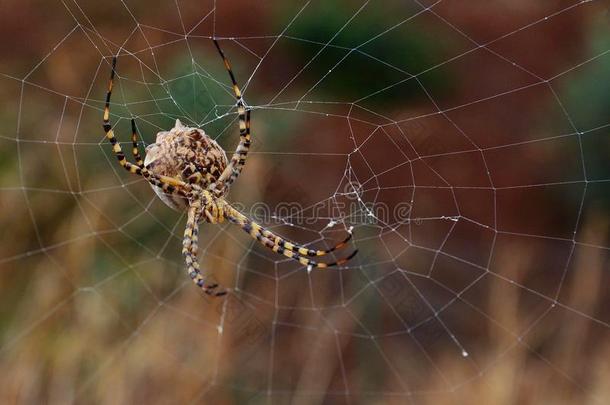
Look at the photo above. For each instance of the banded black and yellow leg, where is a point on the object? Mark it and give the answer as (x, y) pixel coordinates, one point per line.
(241, 153)
(303, 251)
(238, 160)
(116, 147)
(293, 254)
(280, 245)
(134, 140)
(168, 184)
(281, 242)
(189, 251)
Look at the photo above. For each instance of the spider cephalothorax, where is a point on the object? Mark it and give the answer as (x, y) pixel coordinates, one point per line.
(187, 154)
(190, 171)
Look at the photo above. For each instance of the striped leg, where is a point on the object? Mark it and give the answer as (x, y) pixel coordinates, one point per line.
(238, 160)
(134, 140)
(303, 251)
(281, 246)
(168, 184)
(189, 251)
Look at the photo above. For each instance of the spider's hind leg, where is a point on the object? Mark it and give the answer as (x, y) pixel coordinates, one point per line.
(189, 251)
(284, 247)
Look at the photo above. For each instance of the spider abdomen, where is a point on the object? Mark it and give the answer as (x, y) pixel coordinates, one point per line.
(187, 154)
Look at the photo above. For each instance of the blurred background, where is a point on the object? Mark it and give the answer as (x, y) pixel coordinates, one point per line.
(466, 145)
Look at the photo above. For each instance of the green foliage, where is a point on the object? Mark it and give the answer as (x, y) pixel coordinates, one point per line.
(587, 100)
(589, 91)
(368, 59)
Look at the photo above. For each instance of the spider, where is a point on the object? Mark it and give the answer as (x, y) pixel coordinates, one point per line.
(190, 172)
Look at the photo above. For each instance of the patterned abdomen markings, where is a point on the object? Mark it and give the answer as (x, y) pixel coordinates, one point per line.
(187, 154)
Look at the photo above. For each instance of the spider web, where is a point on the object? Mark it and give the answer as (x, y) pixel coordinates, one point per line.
(464, 146)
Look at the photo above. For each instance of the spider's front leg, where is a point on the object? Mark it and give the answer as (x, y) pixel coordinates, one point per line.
(168, 184)
(134, 140)
(190, 246)
(238, 160)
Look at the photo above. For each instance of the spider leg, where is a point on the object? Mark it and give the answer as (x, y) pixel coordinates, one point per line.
(303, 251)
(238, 160)
(168, 184)
(280, 245)
(189, 251)
(134, 140)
